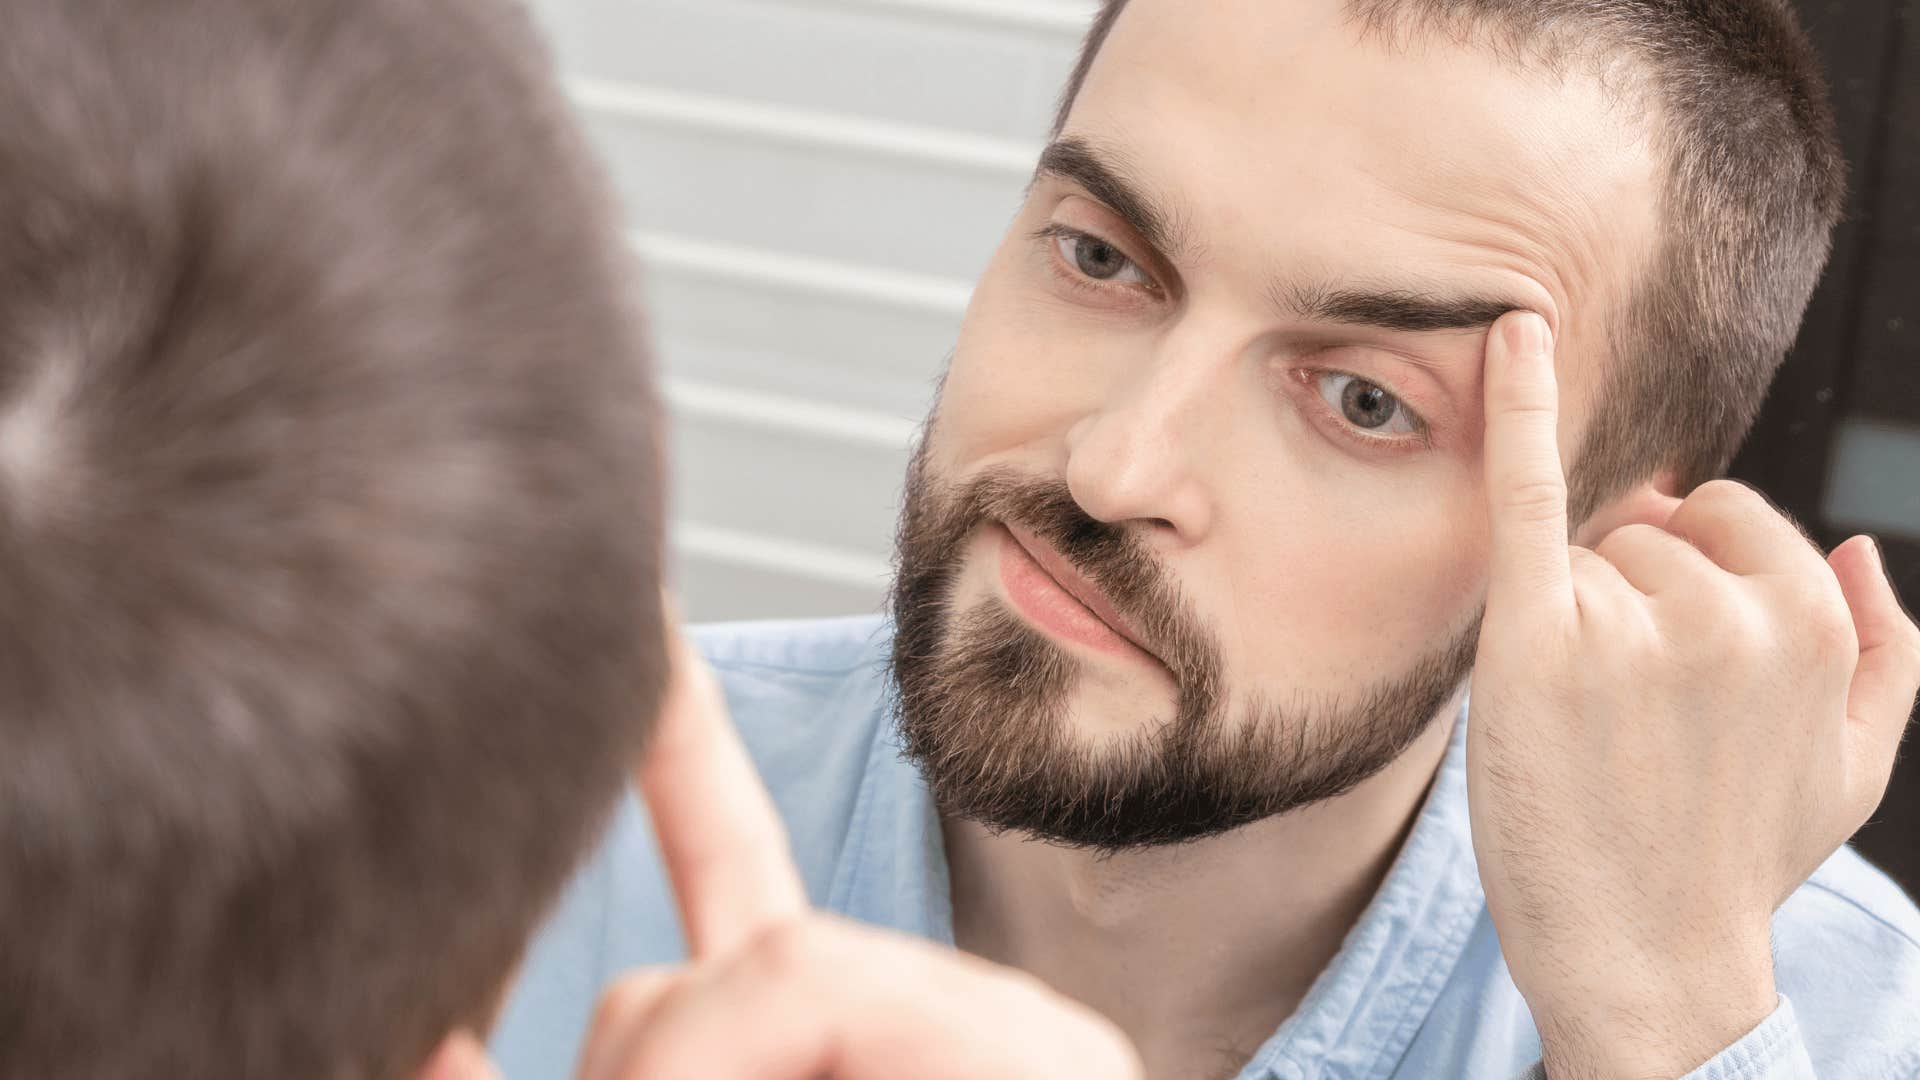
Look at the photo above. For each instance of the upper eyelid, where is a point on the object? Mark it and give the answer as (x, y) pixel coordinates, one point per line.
(1060, 231)
(1152, 261)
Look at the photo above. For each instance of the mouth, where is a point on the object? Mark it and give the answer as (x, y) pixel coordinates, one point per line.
(1058, 599)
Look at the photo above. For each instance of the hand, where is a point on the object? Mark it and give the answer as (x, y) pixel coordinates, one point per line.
(1669, 733)
(775, 992)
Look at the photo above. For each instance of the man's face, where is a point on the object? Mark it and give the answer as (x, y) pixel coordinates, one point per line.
(1222, 381)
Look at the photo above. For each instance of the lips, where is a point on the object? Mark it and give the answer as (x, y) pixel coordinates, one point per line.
(1075, 586)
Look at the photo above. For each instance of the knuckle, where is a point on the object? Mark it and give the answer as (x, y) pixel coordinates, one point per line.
(786, 951)
(1722, 601)
(1716, 501)
(1817, 610)
(1834, 639)
(1738, 623)
(1806, 597)
(1629, 537)
(1725, 491)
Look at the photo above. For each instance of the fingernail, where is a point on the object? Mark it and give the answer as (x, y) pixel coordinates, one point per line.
(1527, 335)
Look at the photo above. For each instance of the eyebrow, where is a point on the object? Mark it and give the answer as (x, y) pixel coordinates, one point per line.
(1106, 176)
(1403, 310)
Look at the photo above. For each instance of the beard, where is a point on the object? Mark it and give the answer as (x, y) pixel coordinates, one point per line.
(982, 699)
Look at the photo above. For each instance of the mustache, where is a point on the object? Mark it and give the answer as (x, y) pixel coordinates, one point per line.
(1115, 558)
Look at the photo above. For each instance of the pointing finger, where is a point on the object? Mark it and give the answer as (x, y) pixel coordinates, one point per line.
(721, 838)
(1526, 487)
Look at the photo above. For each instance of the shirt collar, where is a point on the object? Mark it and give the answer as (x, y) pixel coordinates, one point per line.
(1361, 1013)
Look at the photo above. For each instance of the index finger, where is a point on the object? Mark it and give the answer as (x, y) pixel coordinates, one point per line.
(1526, 487)
(721, 838)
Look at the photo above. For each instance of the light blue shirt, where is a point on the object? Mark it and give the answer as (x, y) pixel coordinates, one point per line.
(1417, 991)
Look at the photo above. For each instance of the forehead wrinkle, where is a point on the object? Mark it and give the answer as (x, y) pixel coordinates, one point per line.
(1548, 229)
(1554, 214)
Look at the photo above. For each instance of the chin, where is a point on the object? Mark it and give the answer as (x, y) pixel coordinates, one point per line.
(1106, 702)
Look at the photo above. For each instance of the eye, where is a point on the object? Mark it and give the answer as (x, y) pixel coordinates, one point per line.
(1367, 406)
(1096, 259)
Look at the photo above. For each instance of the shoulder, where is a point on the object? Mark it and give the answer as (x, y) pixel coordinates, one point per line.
(1847, 952)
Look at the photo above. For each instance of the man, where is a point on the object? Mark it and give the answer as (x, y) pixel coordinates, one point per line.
(1250, 452)
(329, 548)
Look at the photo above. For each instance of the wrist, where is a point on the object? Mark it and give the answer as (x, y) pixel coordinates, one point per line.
(1638, 1024)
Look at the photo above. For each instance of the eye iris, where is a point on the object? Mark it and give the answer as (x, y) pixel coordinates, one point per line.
(1367, 405)
(1098, 259)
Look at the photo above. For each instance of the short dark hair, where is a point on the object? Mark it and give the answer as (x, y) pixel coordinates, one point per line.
(329, 528)
(1754, 184)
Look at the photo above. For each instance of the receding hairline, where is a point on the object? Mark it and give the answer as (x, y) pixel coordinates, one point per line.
(1553, 48)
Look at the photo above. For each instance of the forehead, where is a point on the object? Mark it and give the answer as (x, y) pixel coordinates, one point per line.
(1280, 132)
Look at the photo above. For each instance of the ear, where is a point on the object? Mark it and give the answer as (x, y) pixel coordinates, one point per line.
(458, 1057)
(1651, 502)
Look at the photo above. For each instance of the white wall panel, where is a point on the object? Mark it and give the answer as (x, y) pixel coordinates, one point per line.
(739, 466)
(942, 66)
(914, 212)
(723, 590)
(866, 346)
(813, 186)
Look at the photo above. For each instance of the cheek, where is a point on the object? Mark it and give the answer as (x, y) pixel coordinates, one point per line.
(1352, 580)
(1023, 370)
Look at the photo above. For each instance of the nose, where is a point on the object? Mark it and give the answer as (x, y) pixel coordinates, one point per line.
(1139, 456)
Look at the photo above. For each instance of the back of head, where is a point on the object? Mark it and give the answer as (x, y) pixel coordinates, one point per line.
(329, 528)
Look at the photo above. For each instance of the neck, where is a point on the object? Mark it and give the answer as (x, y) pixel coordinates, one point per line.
(1197, 951)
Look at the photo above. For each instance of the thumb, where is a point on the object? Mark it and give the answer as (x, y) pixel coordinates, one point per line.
(1526, 487)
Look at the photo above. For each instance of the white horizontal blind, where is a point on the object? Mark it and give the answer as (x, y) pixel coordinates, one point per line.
(813, 186)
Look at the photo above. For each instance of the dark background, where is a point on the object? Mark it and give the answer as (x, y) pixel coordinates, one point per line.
(1856, 368)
